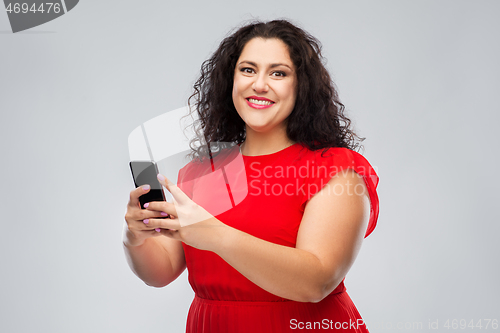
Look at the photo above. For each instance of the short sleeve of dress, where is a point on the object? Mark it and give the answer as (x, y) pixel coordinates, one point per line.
(326, 164)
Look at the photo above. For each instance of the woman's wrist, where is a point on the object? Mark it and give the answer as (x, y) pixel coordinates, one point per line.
(224, 235)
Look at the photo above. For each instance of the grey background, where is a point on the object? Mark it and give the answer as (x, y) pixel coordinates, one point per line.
(419, 78)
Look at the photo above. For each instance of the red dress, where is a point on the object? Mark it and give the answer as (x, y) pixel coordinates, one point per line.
(279, 186)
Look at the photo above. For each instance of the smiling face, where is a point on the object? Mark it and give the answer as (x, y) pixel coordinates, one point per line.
(264, 89)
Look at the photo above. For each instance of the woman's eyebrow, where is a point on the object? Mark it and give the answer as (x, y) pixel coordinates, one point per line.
(255, 65)
(276, 65)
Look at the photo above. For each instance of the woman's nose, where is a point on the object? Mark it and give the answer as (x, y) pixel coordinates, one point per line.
(260, 83)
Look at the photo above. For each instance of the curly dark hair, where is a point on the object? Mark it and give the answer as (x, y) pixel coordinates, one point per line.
(317, 120)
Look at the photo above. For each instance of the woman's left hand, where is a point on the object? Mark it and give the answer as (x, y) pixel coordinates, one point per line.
(187, 221)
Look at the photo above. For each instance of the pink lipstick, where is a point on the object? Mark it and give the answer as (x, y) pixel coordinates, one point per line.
(257, 102)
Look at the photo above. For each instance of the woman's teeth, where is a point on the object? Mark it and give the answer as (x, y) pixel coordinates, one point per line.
(256, 101)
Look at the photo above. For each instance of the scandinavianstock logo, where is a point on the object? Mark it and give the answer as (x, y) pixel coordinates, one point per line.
(25, 14)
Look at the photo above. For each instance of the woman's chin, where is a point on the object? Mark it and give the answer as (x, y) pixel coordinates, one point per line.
(259, 128)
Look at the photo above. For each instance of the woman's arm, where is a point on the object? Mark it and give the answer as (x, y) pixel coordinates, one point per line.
(158, 261)
(329, 238)
(155, 260)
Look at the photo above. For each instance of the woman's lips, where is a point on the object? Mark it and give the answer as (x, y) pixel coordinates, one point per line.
(259, 103)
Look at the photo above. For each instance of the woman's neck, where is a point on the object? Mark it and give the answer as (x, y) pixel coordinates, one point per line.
(257, 143)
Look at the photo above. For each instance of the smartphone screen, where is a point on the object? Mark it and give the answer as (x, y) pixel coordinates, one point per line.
(144, 172)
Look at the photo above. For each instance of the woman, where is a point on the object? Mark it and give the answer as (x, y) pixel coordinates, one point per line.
(276, 261)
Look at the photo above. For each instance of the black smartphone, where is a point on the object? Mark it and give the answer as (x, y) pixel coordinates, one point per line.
(145, 172)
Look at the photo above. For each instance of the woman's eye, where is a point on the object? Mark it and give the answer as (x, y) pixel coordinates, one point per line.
(279, 73)
(247, 70)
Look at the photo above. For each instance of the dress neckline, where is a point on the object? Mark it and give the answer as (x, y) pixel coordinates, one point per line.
(267, 155)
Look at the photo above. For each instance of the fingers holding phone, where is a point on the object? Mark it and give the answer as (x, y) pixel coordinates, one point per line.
(137, 219)
(168, 212)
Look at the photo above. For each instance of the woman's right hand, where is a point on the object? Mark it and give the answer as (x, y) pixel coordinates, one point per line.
(137, 230)
(158, 261)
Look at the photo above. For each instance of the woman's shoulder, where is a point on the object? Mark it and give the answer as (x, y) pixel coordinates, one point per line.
(329, 156)
(337, 159)
(323, 164)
